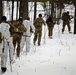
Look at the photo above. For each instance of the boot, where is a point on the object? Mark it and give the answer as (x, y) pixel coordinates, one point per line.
(3, 69)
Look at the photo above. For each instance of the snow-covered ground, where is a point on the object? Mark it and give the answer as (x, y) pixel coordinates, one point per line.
(55, 56)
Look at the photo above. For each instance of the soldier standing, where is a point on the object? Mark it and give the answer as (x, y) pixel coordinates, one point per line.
(17, 35)
(66, 21)
(6, 43)
(50, 26)
(28, 24)
(38, 29)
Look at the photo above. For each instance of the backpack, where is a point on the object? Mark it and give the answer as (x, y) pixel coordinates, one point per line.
(65, 16)
(0, 37)
(31, 31)
(38, 22)
(49, 20)
(11, 29)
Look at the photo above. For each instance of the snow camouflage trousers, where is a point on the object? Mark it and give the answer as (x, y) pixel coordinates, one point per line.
(5, 51)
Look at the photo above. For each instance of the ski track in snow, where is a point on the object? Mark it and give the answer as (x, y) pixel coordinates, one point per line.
(53, 57)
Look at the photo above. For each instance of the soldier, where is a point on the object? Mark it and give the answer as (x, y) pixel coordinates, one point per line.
(28, 24)
(5, 44)
(50, 26)
(38, 29)
(17, 35)
(66, 21)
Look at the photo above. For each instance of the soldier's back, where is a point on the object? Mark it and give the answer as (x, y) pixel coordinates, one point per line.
(65, 16)
(38, 22)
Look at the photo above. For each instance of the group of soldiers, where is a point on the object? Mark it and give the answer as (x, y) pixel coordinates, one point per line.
(50, 21)
(12, 39)
(14, 35)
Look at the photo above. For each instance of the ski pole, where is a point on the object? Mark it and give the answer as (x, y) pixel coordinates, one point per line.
(45, 30)
(10, 57)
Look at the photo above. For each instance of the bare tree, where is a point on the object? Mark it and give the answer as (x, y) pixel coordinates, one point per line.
(35, 6)
(23, 8)
(1, 10)
(17, 9)
(75, 21)
(12, 9)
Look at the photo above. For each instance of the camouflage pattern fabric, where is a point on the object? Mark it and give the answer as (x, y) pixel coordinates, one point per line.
(38, 29)
(19, 29)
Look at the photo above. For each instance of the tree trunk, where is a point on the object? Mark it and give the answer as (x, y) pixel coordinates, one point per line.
(20, 9)
(75, 21)
(52, 9)
(12, 9)
(17, 10)
(35, 6)
(23, 8)
(1, 10)
(49, 9)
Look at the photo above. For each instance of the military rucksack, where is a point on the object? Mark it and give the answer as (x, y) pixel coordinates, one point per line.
(38, 22)
(11, 29)
(0, 37)
(65, 16)
(49, 20)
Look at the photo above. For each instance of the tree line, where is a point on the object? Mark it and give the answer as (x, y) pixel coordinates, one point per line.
(22, 7)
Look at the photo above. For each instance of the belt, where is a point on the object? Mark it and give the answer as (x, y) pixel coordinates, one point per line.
(17, 33)
(26, 35)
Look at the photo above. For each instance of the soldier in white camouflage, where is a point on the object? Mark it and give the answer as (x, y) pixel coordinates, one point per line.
(5, 44)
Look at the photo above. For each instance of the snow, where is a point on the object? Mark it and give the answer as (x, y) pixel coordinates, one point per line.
(55, 56)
